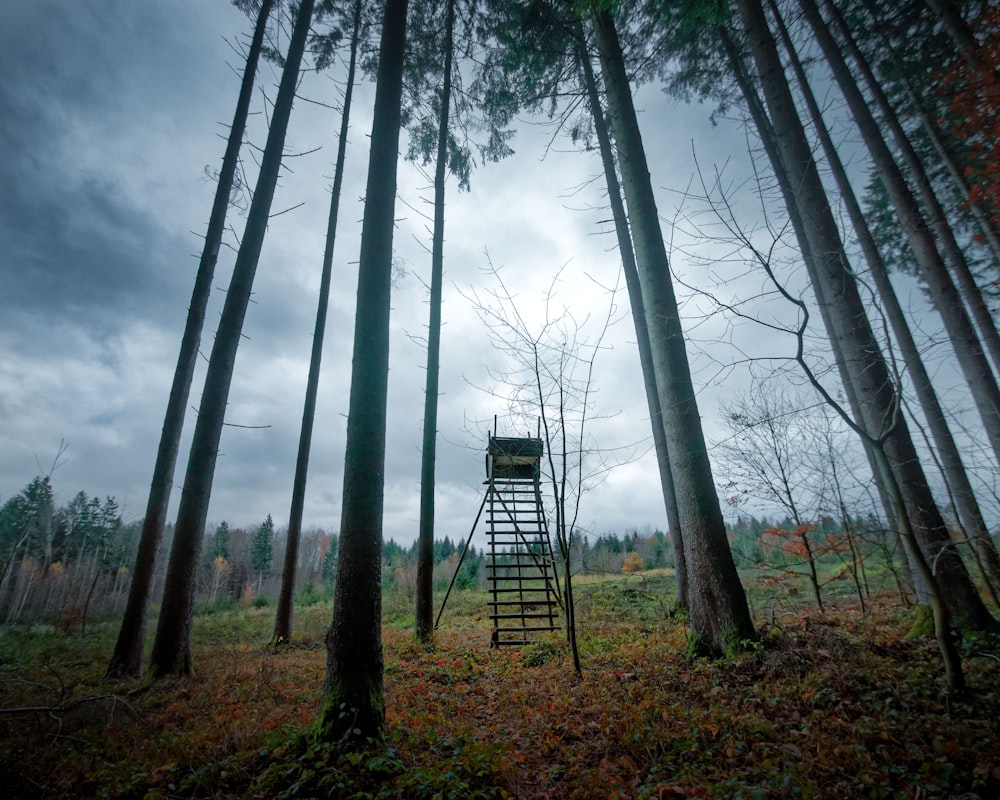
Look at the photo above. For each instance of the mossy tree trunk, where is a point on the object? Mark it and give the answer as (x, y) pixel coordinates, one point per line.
(353, 707)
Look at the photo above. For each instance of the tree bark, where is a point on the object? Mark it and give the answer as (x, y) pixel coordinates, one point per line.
(126, 659)
(284, 614)
(634, 286)
(846, 322)
(172, 644)
(425, 540)
(353, 705)
(720, 617)
(770, 142)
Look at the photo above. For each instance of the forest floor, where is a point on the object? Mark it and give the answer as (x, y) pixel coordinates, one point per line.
(835, 705)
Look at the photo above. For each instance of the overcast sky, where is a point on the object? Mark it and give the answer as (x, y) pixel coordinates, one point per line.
(110, 113)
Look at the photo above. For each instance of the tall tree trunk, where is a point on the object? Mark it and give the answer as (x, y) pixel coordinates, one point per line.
(795, 156)
(966, 504)
(968, 349)
(943, 622)
(283, 616)
(972, 360)
(172, 644)
(720, 617)
(639, 320)
(126, 659)
(425, 539)
(353, 705)
(846, 322)
(952, 253)
(769, 140)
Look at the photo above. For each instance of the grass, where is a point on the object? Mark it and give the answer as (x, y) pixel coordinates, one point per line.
(836, 705)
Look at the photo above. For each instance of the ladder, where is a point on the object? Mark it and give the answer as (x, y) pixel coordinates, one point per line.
(523, 587)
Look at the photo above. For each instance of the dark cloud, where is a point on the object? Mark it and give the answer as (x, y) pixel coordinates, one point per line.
(77, 241)
(110, 111)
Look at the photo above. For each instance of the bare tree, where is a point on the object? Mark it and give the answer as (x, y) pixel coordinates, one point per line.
(765, 455)
(549, 377)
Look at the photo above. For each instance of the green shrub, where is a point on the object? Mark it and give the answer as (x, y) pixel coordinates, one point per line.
(309, 596)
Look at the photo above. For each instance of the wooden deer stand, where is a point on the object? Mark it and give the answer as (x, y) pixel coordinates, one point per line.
(521, 576)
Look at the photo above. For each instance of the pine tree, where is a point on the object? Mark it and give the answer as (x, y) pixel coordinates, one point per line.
(353, 707)
(172, 644)
(262, 550)
(720, 616)
(283, 615)
(126, 660)
(221, 541)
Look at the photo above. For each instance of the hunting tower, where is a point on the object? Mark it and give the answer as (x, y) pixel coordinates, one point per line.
(524, 590)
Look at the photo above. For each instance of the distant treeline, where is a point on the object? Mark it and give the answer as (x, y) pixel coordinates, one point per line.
(65, 564)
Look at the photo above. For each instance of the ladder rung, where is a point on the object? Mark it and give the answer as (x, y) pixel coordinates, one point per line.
(521, 498)
(534, 528)
(520, 533)
(499, 577)
(532, 615)
(529, 603)
(529, 629)
(506, 590)
(537, 585)
(542, 565)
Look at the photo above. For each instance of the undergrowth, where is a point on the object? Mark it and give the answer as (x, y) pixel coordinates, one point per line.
(826, 706)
